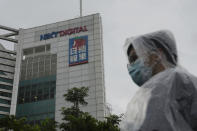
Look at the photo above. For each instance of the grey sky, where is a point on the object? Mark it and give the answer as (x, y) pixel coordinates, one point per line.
(121, 19)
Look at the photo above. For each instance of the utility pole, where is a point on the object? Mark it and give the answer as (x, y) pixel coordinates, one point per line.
(80, 8)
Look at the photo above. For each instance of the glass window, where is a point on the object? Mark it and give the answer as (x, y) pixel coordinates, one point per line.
(23, 73)
(41, 66)
(5, 109)
(47, 62)
(29, 59)
(52, 92)
(53, 83)
(2, 73)
(35, 59)
(28, 51)
(27, 96)
(2, 101)
(48, 47)
(21, 97)
(39, 49)
(6, 80)
(46, 93)
(40, 93)
(40, 57)
(54, 57)
(5, 94)
(35, 67)
(5, 87)
(33, 95)
(29, 74)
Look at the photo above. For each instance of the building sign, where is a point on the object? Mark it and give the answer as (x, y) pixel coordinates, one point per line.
(78, 50)
(70, 31)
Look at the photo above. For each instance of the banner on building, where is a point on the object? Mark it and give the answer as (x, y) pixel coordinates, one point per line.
(78, 50)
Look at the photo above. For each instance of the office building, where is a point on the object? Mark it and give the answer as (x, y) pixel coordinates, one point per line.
(53, 58)
(7, 66)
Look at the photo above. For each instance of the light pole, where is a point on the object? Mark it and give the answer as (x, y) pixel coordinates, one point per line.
(80, 8)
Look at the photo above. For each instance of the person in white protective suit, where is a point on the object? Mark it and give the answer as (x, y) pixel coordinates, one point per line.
(167, 97)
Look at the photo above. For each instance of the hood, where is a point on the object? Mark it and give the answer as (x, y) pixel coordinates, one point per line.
(143, 44)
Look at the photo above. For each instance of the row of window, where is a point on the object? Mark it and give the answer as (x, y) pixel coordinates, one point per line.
(37, 49)
(5, 94)
(37, 122)
(32, 86)
(36, 92)
(5, 87)
(39, 58)
(2, 73)
(3, 101)
(39, 66)
(1, 116)
(6, 80)
(5, 109)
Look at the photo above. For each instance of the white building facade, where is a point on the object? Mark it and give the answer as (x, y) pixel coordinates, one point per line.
(53, 58)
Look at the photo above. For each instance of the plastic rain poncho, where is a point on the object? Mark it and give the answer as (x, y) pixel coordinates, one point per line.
(168, 100)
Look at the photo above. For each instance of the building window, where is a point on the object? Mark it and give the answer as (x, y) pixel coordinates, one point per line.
(5, 87)
(27, 95)
(37, 92)
(28, 51)
(3, 101)
(39, 49)
(2, 73)
(48, 47)
(46, 93)
(5, 94)
(52, 92)
(40, 94)
(5, 109)
(6, 80)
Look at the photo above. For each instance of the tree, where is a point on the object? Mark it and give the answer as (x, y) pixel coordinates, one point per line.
(76, 96)
(48, 125)
(110, 124)
(11, 122)
(77, 120)
(74, 118)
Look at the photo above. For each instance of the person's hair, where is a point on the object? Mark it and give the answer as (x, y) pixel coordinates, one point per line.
(129, 49)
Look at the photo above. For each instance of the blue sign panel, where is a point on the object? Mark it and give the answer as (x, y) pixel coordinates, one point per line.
(78, 50)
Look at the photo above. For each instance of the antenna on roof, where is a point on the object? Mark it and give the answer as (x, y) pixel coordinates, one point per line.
(80, 8)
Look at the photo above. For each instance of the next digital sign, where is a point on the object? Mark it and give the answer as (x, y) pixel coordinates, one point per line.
(70, 31)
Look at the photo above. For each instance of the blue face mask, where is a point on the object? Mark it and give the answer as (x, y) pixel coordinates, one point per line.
(139, 72)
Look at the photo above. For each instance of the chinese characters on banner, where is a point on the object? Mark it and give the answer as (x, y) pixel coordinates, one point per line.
(78, 50)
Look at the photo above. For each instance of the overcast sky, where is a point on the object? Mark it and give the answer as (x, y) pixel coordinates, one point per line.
(120, 19)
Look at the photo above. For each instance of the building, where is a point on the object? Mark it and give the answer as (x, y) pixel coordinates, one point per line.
(7, 66)
(53, 58)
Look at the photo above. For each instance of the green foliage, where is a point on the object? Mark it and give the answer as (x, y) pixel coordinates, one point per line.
(84, 122)
(77, 120)
(48, 125)
(110, 124)
(11, 122)
(114, 119)
(76, 96)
